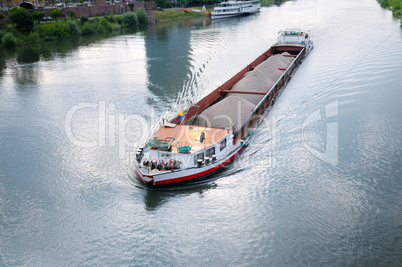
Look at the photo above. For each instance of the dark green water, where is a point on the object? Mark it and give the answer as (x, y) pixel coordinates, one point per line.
(320, 185)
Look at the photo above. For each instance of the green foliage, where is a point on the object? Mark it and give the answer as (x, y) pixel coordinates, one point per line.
(175, 14)
(2, 16)
(9, 40)
(267, 2)
(88, 28)
(94, 26)
(164, 3)
(83, 19)
(22, 19)
(131, 5)
(111, 18)
(54, 31)
(383, 3)
(119, 20)
(59, 30)
(182, 3)
(55, 13)
(38, 15)
(106, 24)
(34, 37)
(116, 27)
(395, 5)
(130, 19)
(14, 9)
(73, 28)
(72, 14)
(142, 16)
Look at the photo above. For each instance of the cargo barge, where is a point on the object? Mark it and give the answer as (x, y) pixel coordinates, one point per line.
(212, 132)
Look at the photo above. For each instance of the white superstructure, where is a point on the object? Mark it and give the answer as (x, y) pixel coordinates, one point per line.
(295, 36)
(235, 8)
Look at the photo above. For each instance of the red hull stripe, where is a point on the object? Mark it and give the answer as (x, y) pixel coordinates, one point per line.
(142, 178)
(179, 179)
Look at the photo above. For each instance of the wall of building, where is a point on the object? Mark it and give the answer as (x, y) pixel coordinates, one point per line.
(120, 8)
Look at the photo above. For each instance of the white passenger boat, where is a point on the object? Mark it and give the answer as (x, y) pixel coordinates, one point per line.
(212, 132)
(228, 9)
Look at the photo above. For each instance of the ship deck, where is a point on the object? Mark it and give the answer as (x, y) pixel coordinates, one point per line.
(190, 135)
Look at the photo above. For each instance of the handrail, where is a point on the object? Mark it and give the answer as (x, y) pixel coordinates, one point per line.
(242, 92)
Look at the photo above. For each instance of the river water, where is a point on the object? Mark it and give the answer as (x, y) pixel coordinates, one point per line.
(320, 185)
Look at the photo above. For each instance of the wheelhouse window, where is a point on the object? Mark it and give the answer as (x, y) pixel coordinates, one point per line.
(210, 152)
(223, 144)
(197, 157)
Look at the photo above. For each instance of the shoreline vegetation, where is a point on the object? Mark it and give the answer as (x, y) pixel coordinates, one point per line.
(27, 28)
(24, 30)
(173, 14)
(394, 5)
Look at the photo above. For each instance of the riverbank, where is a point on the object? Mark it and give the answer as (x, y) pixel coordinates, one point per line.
(394, 5)
(173, 14)
(272, 2)
(69, 28)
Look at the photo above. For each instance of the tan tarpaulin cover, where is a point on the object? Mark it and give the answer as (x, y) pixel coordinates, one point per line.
(234, 108)
(231, 110)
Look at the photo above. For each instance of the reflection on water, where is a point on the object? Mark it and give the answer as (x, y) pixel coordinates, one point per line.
(31, 53)
(169, 58)
(155, 199)
(22, 59)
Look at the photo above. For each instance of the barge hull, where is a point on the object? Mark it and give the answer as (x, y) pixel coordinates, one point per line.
(278, 70)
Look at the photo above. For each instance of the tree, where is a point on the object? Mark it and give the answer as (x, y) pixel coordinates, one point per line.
(9, 40)
(83, 19)
(2, 16)
(55, 13)
(130, 19)
(38, 15)
(131, 5)
(22, 19)
(163, 3)
(72, 14)
(182, 3)
(142, 16)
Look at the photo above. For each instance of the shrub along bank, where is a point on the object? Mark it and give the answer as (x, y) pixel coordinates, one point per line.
(394, 5)
(20, 34)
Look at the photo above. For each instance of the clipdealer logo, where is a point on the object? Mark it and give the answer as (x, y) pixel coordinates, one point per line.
(330, 155)
(111, 127)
